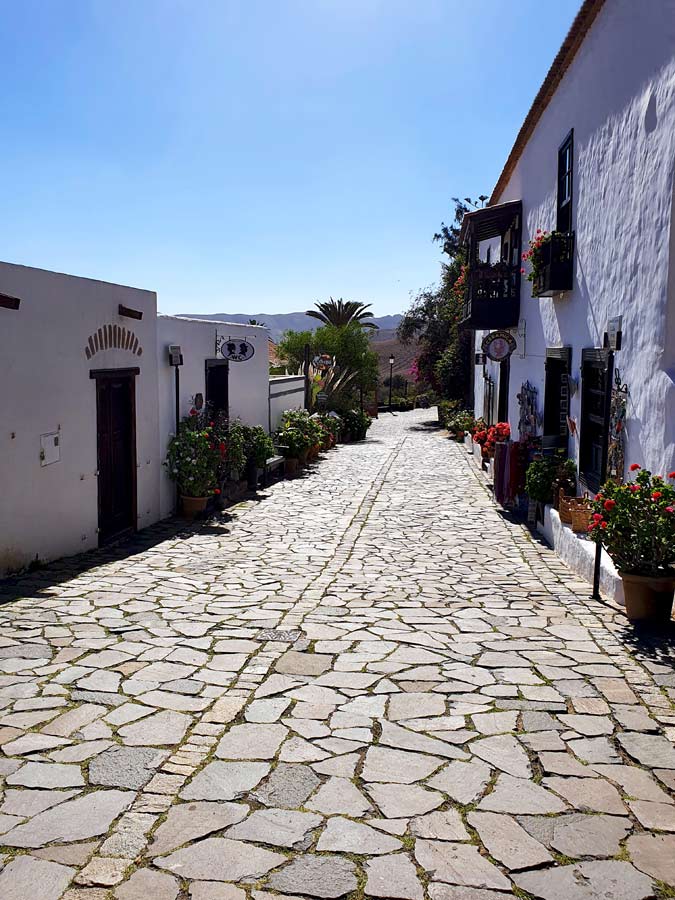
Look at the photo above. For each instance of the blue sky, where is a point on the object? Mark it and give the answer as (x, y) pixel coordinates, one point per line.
(257, 156)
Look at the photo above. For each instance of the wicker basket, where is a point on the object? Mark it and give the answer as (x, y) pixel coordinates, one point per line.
(565, 506)
(581, 515)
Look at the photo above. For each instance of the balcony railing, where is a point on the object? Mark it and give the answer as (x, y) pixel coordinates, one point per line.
(493, 296)
(555, 270)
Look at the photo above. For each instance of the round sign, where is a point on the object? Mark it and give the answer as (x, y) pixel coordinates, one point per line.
(498, 345)
(236, 350)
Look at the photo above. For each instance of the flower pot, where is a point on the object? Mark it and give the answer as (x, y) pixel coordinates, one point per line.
(302, 457)
(291, 466)
(193, 506)
(648, 598)
(459, 436)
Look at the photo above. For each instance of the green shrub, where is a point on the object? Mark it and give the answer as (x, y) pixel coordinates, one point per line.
(539, 479)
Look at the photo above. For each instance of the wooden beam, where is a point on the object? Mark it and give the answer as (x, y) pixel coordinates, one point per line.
(129, 313)
(7, 302)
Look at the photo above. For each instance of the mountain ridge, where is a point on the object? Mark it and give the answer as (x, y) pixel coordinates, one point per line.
(293, 321)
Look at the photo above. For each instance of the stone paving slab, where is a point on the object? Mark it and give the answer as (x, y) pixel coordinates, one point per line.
(369, 683)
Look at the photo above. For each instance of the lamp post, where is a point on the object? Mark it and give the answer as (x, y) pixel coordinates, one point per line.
(391, 377)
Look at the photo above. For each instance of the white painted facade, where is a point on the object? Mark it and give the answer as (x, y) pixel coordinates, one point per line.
(65, 329)
(47, 511)
(618, 95)
(248, 381)
(286, 392)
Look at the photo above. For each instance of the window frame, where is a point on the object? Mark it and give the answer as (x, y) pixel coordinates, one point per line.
(564, 208)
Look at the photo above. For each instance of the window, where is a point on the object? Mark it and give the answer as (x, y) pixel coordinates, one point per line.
(565, 164)
(595, 375)
(557, 397)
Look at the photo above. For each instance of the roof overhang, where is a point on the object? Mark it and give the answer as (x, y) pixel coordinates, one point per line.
(489, 222)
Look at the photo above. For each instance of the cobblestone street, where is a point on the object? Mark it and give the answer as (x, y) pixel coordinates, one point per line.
(369, 683)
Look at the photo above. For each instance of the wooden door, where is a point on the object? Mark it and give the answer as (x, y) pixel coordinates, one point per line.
(217, 386)
(116, 438)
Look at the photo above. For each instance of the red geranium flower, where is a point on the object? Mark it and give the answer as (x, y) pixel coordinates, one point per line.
(656, 495)
(216, 490)
(634, 488)
(598, 496)
(609, 504)
(634, 467)
(671, 474)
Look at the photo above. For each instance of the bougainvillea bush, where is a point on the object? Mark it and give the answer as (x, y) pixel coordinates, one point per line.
(635, 523)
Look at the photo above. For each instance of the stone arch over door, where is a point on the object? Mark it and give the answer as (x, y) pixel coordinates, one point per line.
(112, 337)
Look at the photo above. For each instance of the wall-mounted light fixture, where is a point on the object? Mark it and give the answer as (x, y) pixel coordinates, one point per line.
(7, 302)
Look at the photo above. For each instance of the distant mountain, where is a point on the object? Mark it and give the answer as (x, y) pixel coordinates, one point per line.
(280, 322)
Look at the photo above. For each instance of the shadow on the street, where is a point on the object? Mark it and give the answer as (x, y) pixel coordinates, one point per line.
(38, 582)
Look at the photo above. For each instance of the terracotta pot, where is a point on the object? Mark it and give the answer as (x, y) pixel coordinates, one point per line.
(193, 506)
(291, 466)
(648, 599)
(459, 435)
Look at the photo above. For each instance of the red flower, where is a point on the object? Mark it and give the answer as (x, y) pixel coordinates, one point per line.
(193, 411)
(634, 467)
(597, 517)
(634, 488)
(598, 496)
(216, 490)
(212, 424)
(522, 271)
(603, 524)
(656, 495)
(671, 474)
(670, 509)
(609, 504)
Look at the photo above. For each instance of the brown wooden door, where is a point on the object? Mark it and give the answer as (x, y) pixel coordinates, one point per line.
(116, 434)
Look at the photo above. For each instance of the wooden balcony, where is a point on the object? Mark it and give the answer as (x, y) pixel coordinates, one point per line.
(556, 270)
(493, 296)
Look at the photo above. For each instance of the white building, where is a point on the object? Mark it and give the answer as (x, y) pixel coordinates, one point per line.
(594, 161)
(87, 406)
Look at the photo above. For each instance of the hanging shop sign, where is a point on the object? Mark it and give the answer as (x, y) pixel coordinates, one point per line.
(322, 362)
(498, 345)
(236, 350)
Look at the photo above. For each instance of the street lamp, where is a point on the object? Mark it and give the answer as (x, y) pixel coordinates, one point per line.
(391, 377)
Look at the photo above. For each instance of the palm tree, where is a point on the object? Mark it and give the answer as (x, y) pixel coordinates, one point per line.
(342, 312)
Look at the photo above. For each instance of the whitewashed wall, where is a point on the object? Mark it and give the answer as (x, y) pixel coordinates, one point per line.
(52, 511)
(248, 381)
(619, 96)
(286, 392)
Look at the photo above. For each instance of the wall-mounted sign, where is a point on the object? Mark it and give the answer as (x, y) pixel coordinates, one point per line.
(175, 355)
(498, 345)
(236, 350)
(613, 337)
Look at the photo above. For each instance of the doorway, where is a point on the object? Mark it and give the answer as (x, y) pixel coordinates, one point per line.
(503, 395)
(116, 451)
(217, 386)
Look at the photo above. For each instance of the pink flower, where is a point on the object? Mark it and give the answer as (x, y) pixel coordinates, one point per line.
(634, 488)
(670, 509)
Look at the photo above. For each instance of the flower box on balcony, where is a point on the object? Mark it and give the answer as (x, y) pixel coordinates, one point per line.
(552, 259)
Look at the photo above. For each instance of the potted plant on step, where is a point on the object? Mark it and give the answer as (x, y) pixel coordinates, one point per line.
(193, 461)
(635, 523)
(292, 443)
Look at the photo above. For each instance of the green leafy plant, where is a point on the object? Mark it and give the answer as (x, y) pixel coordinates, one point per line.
(461, 422)
(636, 523)
(356, 423)
(292, 442)
(535, 254)
(539, 479)
(259, 446)
(236, 449)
